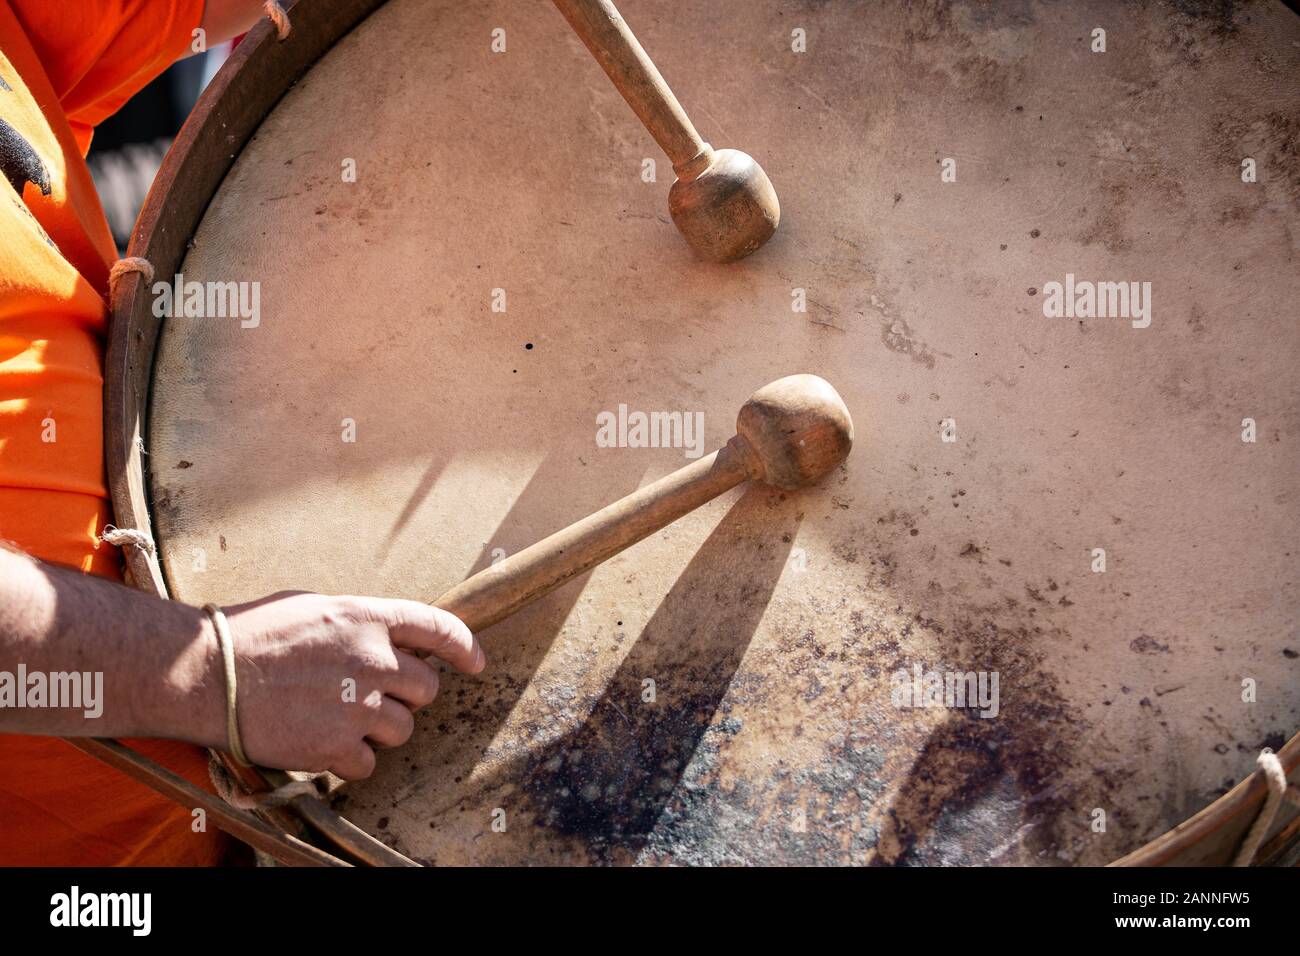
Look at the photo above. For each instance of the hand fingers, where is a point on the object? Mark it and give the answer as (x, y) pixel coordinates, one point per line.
(357, 765)
(391, 725)
(420, 627)
(415, 684)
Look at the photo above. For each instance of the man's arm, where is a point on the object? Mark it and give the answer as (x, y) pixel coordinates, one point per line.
(162, 672)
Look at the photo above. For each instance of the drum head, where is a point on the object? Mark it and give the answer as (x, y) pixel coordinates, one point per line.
(436, 341)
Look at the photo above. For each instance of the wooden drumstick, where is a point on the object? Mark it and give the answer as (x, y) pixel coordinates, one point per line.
(789, 434)
(722, 201)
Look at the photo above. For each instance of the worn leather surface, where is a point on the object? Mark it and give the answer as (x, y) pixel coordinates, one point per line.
(771, 623)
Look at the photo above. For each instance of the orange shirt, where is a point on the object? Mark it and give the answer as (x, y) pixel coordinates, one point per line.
(66, 65)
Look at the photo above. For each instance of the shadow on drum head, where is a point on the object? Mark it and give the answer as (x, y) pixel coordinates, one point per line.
(432, 472)
(619, 777)
(615, 782)
(517, 646)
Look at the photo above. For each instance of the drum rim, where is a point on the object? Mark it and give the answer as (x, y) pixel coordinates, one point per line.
(1225, 818)
(249, 85)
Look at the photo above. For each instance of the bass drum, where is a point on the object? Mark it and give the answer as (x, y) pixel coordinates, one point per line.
(464, 268)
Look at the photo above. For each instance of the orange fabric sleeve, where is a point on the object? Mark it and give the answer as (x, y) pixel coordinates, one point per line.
(99, 53)
(64, 66)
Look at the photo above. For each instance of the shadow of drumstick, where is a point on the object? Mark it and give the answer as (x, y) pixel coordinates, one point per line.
(517, 646)
(432, 472)
(608, 782)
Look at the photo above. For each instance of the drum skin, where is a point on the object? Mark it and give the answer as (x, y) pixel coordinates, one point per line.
(722, 692)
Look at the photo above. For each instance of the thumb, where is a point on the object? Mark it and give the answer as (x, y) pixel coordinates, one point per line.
(422, 627)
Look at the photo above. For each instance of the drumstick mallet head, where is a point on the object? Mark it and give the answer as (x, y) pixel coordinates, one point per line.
(795, 431)
(723, 204)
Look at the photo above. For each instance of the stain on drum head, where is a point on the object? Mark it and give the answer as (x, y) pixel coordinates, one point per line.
(772, 624)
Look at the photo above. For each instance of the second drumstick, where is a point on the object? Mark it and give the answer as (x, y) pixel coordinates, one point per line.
(722, 202)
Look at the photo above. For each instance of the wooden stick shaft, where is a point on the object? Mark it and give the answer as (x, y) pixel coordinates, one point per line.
(241, 824)
(497, 592)
(606, 34)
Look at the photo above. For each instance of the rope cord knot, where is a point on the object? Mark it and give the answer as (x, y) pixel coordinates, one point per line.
(1278, 790)
(236, 797)
(124, 267)
(277, 15)
(127, 537)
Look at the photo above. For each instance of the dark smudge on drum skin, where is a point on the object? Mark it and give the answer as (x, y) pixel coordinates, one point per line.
(749, 821)
(610, 783)
(978, 790)
(980, 787)
(625, 807)
(1273, 140)
(1214, 17)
